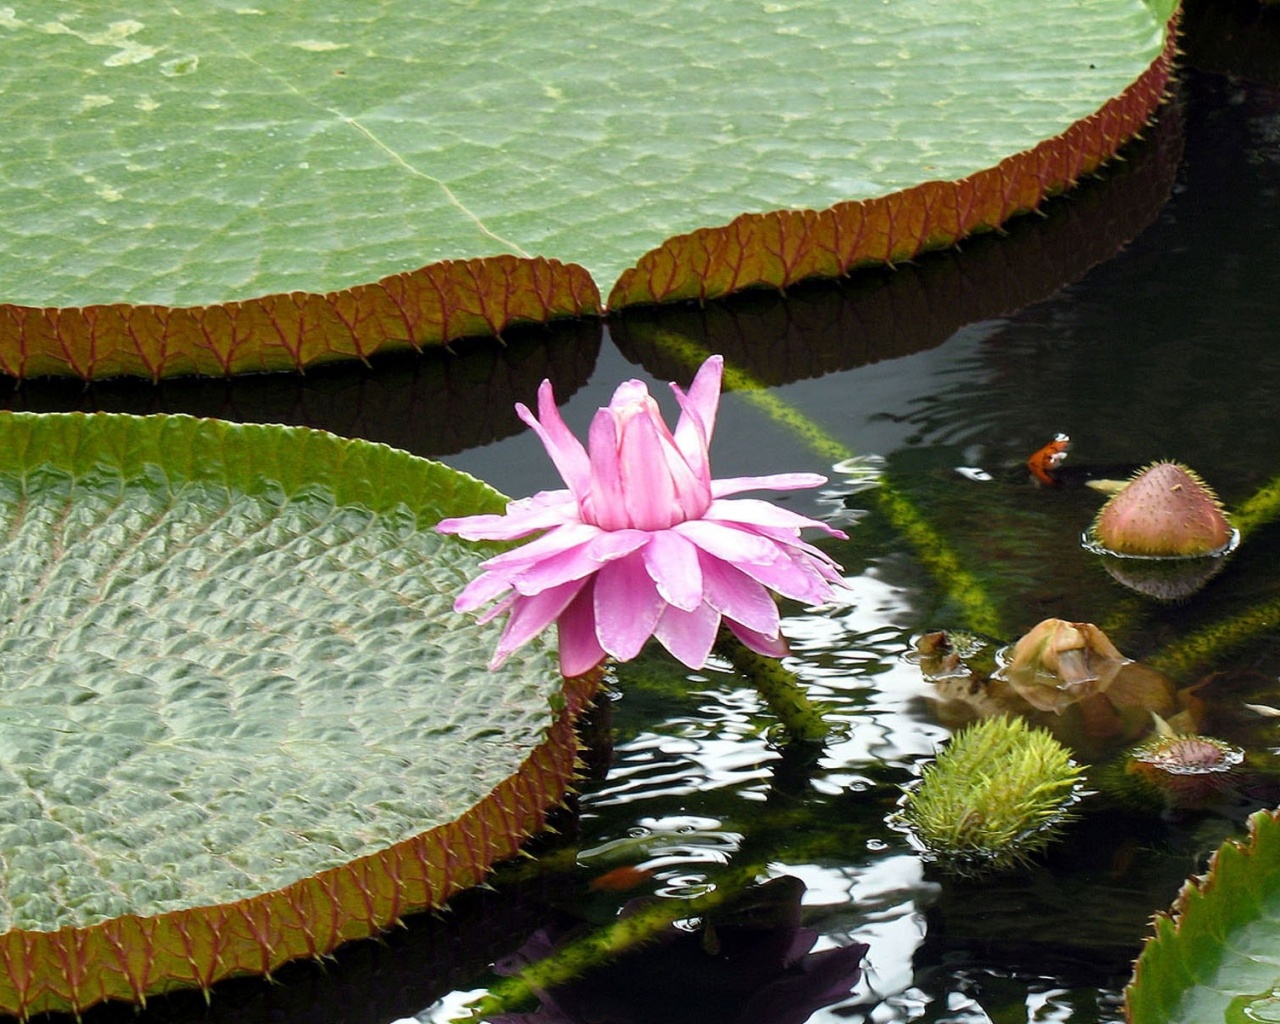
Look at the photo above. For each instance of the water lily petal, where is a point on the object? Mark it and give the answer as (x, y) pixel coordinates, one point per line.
(562, 538)
(688, 635)
(481, 590)
(605, 503)
(756, 512)
(731, 543)
(577, 562)
(627, 607)
(737, 596)
(540, 512)
(796, 578)
(698, 414)
(673, 565)
(777, 482)
(659, 488)
(771, 646)
(580, 651)
(531, 615)
(566, 451)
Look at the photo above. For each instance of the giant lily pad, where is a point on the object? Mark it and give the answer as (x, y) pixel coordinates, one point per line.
(239, 720)
(1215, 958)
(216, 188)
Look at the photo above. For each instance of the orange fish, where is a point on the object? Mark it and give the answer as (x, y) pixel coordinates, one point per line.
(1047, 459)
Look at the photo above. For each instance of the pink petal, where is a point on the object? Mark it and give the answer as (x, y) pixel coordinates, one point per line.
(562, 538)
(627, 607)
(774, 646)
(579, 561)
(649, 478)
(606, 501)
(580, 652)
(737, 596)
(481, 590)
(777, 482)
(540, 512)
(733, 544)
(688, 635)
(566, 451)
(673, 565)
(531, 615)
(756, 512)
(698, 414)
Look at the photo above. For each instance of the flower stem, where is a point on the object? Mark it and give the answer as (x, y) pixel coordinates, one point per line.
(602, 945)
(779, 687)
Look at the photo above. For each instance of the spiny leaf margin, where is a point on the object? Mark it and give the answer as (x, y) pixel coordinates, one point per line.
(1241, 881)
(132, 957)
(434, 305)
(782, 247)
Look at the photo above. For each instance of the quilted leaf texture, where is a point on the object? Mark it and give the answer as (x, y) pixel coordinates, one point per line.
(241, 722)
(230, 189)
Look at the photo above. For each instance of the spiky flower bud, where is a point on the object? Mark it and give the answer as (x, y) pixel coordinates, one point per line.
(1165, 511)
(995, 795)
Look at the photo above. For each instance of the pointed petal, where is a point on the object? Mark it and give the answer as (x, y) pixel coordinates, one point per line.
(627, 607)
(530, 616)
(688, 635)
(481, 590)
(563, 538)
(776, 482)
(605, 504)
(649, 475)
(729, 542)
(673, 565)
(737, 596)
(580, 652)
(566, 451)
(756, 512)
(771, 646)
(698, 413)
(542, 511)
(577, 562)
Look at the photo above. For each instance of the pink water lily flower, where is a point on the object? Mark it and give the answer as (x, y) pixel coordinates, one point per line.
(644, 543)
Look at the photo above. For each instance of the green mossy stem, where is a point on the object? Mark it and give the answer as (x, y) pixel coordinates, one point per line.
(604, 945)
(779, 688)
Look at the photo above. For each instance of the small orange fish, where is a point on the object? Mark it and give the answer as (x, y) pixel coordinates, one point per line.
(1047, 459)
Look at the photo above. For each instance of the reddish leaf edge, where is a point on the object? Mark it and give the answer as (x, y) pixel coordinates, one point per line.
(782, 247)
(1148, 998)
(433, 305)
(131, 958)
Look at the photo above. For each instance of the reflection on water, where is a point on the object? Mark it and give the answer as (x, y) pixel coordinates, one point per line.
(1166, 349)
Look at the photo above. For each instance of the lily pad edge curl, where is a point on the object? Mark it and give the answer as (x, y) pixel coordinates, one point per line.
(451, 299)
(133, 956)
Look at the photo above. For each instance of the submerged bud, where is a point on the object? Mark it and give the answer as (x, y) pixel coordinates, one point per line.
(1058, 662)
(1165, 511)
(1187, 769)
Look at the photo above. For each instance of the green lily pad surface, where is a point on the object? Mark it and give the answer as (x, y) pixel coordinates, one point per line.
(1217, 958)
(207, 152)
(231, 676)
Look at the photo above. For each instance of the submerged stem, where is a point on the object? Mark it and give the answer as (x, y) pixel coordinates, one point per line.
(779, 687)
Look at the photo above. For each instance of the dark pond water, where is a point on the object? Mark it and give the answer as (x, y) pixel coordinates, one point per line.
(1166, 346)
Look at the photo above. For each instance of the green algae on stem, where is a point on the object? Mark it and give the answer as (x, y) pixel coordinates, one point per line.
(779, 688)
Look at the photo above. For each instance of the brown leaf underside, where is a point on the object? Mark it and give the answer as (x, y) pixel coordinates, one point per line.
(130, 958)
(481, 297)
